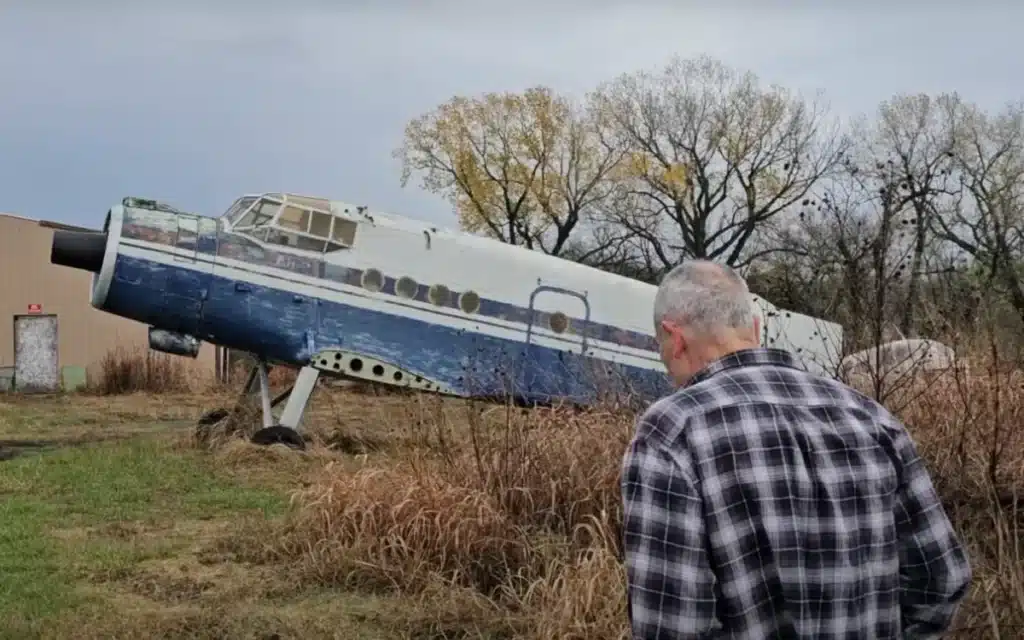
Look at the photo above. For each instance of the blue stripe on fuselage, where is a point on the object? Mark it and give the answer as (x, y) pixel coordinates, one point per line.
(214, 243)
(282, 325)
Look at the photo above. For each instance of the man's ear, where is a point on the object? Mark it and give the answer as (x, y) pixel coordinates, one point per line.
(677, 337)
(757, 329)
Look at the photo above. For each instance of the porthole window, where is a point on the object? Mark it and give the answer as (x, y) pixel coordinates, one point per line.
(406, 287)
(469, 302)
(558, 322)
(439, 295)
(373, 280)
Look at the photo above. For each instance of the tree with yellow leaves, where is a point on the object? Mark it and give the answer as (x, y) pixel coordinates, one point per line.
(525, 168)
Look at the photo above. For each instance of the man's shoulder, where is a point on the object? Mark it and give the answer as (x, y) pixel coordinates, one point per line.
(692, 406)
(666, 418)
(777, 384)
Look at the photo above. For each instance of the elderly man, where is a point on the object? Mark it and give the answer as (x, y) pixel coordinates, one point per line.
(762, 501)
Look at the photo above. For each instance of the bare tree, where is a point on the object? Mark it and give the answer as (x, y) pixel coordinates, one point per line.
(856, 241)
(913, 140)
(712, 156)
(987, 222)
(877, 210)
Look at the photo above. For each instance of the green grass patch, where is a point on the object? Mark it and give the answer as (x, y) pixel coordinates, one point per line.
(83, 418)
(93, 488)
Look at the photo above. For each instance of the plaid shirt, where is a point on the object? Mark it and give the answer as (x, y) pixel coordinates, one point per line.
(762, 501)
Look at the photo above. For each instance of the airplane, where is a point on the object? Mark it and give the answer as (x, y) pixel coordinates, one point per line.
(334, 289)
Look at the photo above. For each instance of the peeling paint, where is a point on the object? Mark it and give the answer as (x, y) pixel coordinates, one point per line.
(161, 228)
(179, 344)
(267, 321)
(286, 327)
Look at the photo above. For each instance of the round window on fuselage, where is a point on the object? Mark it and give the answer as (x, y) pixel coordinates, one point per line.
(439, 295)
(469, 302)
(373, 280)
(406, 287)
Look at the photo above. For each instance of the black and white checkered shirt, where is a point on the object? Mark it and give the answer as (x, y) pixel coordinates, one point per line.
(762, 501)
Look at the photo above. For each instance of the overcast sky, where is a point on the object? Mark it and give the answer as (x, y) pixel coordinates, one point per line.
(196, 106)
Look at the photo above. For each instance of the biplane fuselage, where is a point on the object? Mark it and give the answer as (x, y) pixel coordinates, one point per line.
(308, 282)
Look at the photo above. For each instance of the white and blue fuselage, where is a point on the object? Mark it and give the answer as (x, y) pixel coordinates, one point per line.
(474, 316)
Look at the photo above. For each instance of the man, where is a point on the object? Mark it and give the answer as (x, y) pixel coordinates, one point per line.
(762, 501)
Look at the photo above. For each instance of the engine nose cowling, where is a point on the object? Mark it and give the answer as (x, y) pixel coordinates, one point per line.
(79, 249)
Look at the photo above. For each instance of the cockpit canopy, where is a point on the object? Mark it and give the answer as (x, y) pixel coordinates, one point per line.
(292, 221)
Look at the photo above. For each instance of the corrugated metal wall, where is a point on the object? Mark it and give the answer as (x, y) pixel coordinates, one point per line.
(27, 277)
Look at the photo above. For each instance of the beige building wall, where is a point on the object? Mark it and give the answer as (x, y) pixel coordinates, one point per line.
(85, 334)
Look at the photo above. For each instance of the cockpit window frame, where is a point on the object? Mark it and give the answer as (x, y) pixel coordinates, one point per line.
(266, 218)
(237, 210)
(270, 230)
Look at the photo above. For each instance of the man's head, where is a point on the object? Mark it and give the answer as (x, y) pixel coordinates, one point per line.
(702, 311)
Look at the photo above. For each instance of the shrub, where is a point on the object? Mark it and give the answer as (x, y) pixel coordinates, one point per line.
(132, 370)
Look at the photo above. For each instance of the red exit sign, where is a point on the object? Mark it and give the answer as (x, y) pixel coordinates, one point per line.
(35, 308)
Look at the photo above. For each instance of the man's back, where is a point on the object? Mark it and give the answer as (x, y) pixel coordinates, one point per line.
(765, 502)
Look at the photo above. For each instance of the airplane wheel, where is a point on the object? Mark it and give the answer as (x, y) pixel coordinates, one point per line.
(279, 435)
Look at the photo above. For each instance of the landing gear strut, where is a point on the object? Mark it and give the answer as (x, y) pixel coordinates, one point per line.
(284, 431)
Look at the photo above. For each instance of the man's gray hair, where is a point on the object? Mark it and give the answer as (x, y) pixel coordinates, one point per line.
(704, 296)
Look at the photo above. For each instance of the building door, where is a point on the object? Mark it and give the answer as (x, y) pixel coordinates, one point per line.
(36, 367)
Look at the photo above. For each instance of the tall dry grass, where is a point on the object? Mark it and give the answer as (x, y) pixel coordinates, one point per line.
(506, 523)
(138, 369)
(142, 370)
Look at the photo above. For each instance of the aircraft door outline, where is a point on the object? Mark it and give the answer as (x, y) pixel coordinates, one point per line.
(566, 292)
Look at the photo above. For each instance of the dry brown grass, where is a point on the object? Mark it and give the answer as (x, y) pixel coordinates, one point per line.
(501, 522)
(139, 369)
(488, 517)
(500, 519)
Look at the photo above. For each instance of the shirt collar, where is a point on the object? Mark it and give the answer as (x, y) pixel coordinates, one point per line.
(753, 357)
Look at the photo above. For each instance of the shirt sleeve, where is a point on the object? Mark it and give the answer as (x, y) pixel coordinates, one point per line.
(670, 581)
(934, 569)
